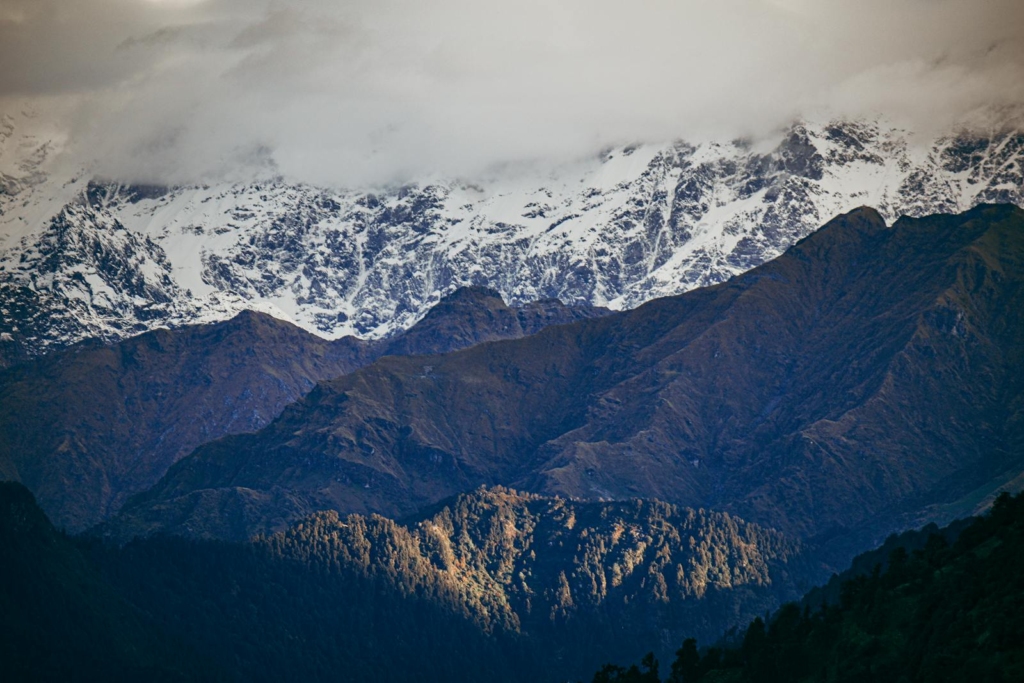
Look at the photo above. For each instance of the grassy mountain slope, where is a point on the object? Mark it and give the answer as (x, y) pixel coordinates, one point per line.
(86, 428)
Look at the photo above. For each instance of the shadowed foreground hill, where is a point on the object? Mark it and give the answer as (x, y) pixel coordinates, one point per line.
(870, 372)
(949, 610)
(60, 620)
(86, 428)
(494, 586)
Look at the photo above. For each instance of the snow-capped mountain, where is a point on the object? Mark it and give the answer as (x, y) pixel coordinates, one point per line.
(82, 258)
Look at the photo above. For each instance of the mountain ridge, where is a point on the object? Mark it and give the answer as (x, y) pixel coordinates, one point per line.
(87, 427)
(765, 396)
(82, 258)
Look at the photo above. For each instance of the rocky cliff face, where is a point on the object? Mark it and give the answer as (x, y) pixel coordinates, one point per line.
(81, 258)
(868, 372)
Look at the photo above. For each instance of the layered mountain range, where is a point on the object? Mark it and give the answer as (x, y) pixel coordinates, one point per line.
(83, 258)
(866, 380)
(89, 426)
(590, 408)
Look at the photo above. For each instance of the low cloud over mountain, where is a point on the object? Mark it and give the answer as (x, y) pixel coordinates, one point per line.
(364, 92)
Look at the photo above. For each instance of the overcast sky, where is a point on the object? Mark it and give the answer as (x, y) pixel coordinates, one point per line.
(364, 91)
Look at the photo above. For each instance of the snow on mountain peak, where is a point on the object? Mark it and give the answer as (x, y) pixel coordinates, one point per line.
(80, 258)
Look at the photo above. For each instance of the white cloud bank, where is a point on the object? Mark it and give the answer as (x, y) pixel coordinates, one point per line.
(354, 92)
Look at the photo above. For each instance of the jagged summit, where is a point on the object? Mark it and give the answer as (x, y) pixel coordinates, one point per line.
(867, 218)
(82, 258)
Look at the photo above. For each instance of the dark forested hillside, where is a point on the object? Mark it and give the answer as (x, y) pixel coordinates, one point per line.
(541, 598)
(942, 612)
(634, 565)
(60, 620)
(86, 428)
(495, 585)
(500, 586)
(867, 380)
(553, 583)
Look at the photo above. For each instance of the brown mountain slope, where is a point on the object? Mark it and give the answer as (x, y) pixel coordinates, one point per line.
(866, 370)
(86, 428)
(471, 315)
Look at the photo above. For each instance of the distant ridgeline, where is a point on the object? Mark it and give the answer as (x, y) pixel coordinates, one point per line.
(950, 610)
